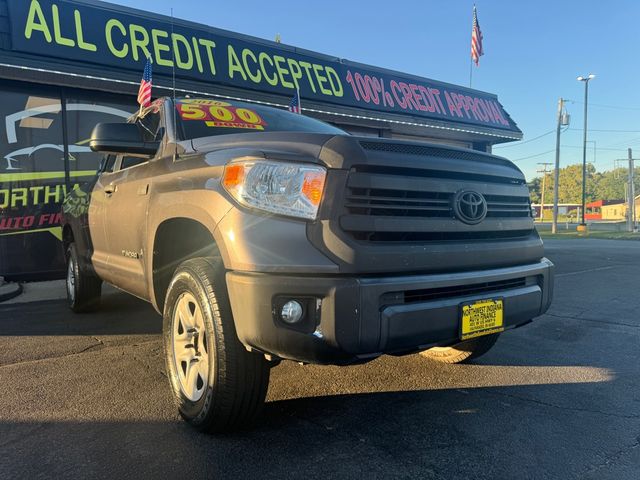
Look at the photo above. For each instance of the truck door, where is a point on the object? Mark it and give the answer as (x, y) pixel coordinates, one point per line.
(95, 240)
(126, 203)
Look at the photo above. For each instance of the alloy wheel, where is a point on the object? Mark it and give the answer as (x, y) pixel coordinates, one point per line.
(190, 347)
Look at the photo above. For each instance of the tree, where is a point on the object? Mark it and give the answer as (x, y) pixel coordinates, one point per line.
(535, 186)
(570, 185)
(611, 184)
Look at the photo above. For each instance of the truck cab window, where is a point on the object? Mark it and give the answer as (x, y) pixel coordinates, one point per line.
(128, 162)
(107, 164)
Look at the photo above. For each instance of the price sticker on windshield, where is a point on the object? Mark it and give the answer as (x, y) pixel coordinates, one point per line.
(222, 115)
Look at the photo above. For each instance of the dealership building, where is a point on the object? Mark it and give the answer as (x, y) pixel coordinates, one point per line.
(67, 65)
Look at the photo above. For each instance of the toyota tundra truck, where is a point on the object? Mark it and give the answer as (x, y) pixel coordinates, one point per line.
(262, 235)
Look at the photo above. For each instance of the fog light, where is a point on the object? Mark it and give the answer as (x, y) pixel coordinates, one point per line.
(291, 312)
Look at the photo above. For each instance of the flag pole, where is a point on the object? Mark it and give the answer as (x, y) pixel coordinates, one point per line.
(470, 73)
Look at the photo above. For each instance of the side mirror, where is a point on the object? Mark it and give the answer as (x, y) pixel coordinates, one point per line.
(121, 138)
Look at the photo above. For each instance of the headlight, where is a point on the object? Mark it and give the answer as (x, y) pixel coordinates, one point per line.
(276, 187)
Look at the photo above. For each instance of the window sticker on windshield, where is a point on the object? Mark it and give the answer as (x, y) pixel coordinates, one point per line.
(203, 101)
(220, 114)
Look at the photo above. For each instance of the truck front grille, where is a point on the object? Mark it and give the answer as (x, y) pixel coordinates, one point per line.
(402, 203)
(387, 204)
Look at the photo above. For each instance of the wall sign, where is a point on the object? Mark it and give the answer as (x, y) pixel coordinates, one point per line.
(108, 36)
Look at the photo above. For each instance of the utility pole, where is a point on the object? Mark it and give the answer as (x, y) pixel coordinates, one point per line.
(544, 172)
(631, 210)
(556, 177)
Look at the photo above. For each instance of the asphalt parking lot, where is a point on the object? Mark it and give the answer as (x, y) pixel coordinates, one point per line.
(86, 397)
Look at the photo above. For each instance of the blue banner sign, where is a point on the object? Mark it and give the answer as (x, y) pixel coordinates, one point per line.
(108, 35)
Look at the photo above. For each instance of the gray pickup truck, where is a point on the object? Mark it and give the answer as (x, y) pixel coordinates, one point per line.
(262, 235)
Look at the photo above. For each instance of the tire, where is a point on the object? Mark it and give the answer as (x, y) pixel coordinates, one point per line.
(226, 391)
(83, 289)
(462, 352)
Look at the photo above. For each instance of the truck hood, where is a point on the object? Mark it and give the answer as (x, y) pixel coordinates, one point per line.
(343, 151)
(302, 146)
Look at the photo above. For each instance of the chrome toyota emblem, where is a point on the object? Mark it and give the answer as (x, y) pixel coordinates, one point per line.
(469, 207)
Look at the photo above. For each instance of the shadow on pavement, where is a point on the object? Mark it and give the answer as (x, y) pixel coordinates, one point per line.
(119, 314)
(422, 434)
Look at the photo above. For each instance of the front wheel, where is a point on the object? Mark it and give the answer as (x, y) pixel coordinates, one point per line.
(218, 385)
(463, 351)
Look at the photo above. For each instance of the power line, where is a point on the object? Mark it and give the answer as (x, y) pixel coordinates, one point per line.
(625, 142)
(597, 148)
(605, 130)
(565, 146)
(533, 156)
(614, 144)
(615, 107)
(526, 141)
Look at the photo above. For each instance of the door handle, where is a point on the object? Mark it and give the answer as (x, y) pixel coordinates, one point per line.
(143, 190)
(109, 190)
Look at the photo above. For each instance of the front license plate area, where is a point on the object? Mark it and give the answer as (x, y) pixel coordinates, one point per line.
(483, 317)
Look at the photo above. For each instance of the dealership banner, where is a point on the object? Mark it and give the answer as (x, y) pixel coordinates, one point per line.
(106, 35)
(44, 153)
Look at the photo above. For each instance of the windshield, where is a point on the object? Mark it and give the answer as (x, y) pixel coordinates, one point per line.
(204, 118)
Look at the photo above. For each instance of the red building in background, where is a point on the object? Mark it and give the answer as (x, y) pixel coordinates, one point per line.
(594, 209)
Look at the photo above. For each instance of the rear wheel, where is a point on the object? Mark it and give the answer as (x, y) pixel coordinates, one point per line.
(83, 288)
(218, 385)
(463, 351)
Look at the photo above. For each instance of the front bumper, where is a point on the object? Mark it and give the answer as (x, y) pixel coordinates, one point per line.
(351, 319)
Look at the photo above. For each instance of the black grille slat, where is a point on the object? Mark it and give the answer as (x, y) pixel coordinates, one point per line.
(398, 207)
(414, 185)
(513, 210)
(524, 203)
(403, 200)
(406, 172)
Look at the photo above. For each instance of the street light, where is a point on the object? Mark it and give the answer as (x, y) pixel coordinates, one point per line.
(563, 121)
(586, 79)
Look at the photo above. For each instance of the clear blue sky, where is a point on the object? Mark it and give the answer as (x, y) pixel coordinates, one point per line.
(533, 53)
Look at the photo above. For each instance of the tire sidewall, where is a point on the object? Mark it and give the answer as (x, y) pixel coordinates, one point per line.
(187, 280)
(86, 285)
(72, 260)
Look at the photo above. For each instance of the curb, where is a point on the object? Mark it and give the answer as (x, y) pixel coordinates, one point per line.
(38, 292)
(9, 291)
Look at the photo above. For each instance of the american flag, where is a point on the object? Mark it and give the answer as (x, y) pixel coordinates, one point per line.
(295, 106)
(476, 39)
(144, 94)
